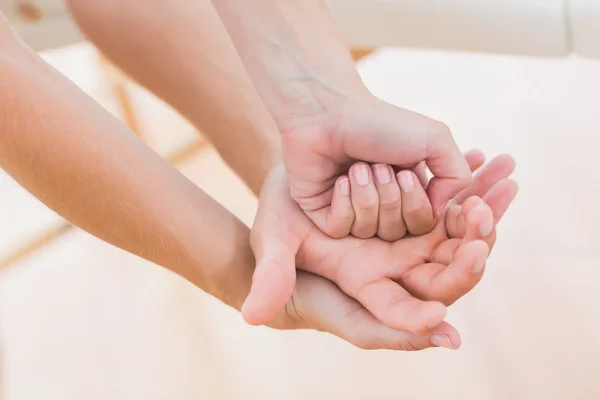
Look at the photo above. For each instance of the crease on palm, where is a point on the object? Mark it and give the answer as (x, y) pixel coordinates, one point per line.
(329, 258)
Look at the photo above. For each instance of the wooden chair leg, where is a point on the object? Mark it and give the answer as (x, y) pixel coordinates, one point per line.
(358, 52)
(118, 85)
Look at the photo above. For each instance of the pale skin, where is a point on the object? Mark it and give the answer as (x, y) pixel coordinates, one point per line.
(206, 82)
(301, 67)
(73, 157)
(138, 44)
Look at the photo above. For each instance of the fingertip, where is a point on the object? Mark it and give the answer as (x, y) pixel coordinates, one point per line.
(407, 180)
(343, 184)
(361, 173)
(272, 286)
(470, 203)
(434, 313)
(512, 186)
(341, 213)
(250, 315)
(453, 221)
(507, 160)
(441, 191)
(445, 335)
(474, 254)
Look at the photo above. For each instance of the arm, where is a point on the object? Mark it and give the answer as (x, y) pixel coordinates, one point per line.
(85, 165)
(180, 51)
(81, 162)
(294, 53)
(301, 67)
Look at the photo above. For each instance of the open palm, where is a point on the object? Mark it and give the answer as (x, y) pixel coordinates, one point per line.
(437, 268)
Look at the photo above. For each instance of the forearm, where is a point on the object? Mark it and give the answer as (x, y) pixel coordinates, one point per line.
(180, 51)
(294, 53)
(85, 165)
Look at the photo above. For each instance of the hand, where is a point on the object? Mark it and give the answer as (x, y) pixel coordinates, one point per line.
(317, 149)
(282, 236)
(319, 304)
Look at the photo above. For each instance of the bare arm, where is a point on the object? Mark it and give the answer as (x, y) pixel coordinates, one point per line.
(87, 166)
(180, 51)
(294, 53)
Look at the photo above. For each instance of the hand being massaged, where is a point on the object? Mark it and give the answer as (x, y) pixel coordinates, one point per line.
(406, 284)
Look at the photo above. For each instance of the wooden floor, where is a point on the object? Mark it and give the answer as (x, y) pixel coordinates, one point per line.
(83, 320)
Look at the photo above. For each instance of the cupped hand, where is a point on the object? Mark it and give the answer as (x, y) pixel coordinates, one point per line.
(319, 304)
(369, 270)
(318, 149)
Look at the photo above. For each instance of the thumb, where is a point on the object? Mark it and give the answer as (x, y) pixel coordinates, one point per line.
(383, 133)
(274, 277)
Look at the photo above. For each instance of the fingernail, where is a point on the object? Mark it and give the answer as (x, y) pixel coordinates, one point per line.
(486, 227)
(361, 174)
(382, 173)
(455, 210)
(407, 182)
(479, 267)
(345, 186)
(441, 341)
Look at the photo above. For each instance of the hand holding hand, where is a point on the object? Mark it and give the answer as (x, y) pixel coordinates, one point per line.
(369, 269)
(320, 148)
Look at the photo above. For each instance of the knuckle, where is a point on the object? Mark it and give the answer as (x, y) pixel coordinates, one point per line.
(343, 215)
(390, 204)
(392, 236)
(337, 233)
(419, 215)
(408, 346)
(364, 230)
(366, 205)
(421, 228)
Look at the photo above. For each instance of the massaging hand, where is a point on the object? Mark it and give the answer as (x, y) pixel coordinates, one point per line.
(320, 147)
(436, 268)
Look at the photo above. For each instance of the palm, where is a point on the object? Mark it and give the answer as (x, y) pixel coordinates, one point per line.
(419, 264)
(368, 270)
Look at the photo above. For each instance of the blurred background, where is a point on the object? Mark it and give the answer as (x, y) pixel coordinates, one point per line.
(80, 319)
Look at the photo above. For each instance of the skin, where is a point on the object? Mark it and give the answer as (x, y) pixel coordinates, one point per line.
(204, 79)
(302, 69)
(159, 78)
(382, 276)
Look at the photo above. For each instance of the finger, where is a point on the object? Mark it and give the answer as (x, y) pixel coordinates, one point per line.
(500, 197)
(391, 226)
(479, 219)
(341, 214)
(421, 172)
(447, 283)
(499, 168)
(476, 222)
(364, 201)
(275, 274)
(475, 159)
(416, 209)
(272, 284)
(328, 309)
(456, 265)
(377, 132)
(396, 308)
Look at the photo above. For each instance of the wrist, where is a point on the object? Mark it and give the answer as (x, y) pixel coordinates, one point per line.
(295, 54)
